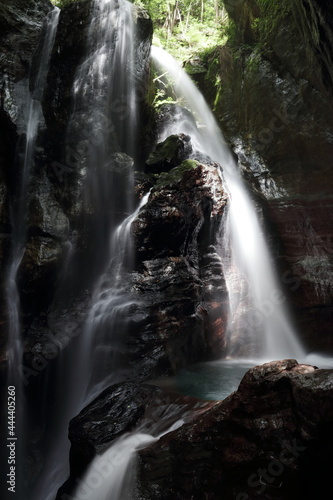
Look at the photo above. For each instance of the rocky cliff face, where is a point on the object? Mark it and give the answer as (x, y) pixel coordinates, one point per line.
(275, 106)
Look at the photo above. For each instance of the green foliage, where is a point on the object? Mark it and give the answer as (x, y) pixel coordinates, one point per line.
(63, 3)
(186, 28)
(161, 97)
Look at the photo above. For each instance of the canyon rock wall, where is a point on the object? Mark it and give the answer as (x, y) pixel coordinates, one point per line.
(274, 101)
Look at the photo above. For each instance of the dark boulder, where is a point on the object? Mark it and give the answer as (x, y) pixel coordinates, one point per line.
(169, 154)
(179, 277)
(122, 408)
(271, 439)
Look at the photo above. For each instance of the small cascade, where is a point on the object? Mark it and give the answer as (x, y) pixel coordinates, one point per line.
(266, 319)
(114, 303)
(111, 475)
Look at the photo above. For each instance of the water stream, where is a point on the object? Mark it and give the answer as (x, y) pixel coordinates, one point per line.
(19, 210)
(269, 327)
(111, 475)
(19, 217)
(103, 120)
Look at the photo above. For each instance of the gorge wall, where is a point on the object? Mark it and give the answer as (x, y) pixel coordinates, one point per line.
(274, 102)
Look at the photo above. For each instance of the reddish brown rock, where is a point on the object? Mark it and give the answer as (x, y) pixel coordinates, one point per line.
(270, 440)
(305, 258)
(179, 277)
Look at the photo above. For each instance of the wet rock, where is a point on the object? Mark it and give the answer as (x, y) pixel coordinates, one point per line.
(306, 265)
(20, 28)
(169, 154)
(37, 277)
(120, 409)
(179, 275)
(181, 201)
(143, 183)
(260, 442)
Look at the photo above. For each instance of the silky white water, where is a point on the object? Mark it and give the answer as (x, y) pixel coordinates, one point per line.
(113, 304)
(19, 205)
(103, 120)
(268, 319)
(110, 476)
(33, 114)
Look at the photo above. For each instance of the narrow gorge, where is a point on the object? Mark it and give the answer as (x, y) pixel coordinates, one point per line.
(166, 287)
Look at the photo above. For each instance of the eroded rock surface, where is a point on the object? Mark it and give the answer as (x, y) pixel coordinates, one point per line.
(179, 274)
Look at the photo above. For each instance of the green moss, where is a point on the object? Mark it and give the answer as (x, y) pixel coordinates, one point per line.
(272, 13)
(62, 3)
(176, 174)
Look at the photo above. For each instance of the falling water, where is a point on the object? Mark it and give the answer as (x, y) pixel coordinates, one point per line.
(267, 317)
(19, 205)
(103, 121)
(114, 469)
(104, 116)
(112, 306)
(19, 213)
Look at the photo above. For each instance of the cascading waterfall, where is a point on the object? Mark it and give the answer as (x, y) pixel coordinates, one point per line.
(268, 319)
(114, 469)
(34, 115)
(19, 213)
(113, 305)
(104, 118)
(103, 121)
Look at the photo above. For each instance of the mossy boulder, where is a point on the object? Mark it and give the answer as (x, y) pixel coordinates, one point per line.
(176, 174)
(169, 153)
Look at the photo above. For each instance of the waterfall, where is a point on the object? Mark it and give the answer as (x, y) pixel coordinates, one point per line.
(19, 210)
(99, 145)
(19, 214)
(112, 306)
(111, 474)
(268, 326)
(103, 121)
